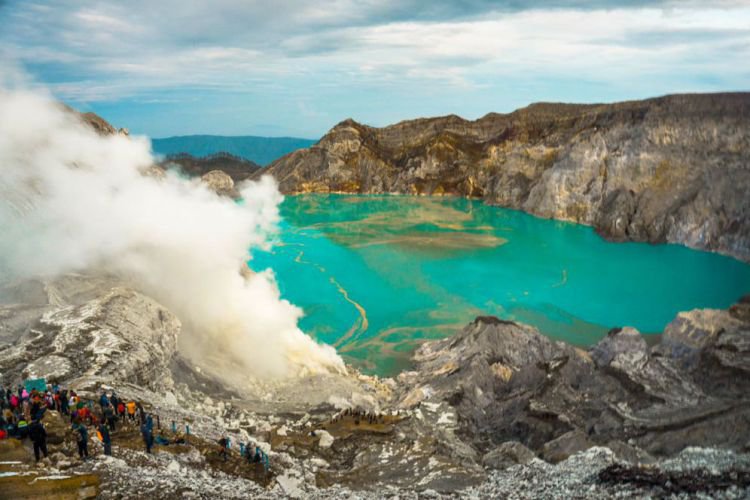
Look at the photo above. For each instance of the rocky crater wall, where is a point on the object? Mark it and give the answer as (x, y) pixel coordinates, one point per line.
(669, 169)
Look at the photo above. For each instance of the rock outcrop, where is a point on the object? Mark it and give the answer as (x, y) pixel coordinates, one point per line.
(85, 332)
(220, 183)
(508, 382)
(670, 169)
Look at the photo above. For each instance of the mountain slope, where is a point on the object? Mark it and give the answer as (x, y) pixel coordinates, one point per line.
(674, 168)
(261, 150)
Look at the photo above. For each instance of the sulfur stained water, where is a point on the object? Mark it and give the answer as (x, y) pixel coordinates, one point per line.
(377, 275)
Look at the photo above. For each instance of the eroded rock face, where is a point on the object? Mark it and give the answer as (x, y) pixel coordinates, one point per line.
(674, 168)
(87, 333)
(508, 382)
(220, 183)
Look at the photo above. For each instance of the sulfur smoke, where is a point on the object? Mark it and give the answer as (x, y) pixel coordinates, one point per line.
(72, 200)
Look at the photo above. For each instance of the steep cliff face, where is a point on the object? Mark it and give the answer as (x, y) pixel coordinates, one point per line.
(670, 169)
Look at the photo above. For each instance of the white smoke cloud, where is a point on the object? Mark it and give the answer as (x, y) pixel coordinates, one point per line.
(72, 200)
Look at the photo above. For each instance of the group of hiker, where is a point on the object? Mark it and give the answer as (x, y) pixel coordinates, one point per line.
(21, 414)
(360, 416)
(251, 452)
(22, 411)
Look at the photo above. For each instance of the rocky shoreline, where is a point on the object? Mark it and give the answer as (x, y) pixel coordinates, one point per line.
(670, 169)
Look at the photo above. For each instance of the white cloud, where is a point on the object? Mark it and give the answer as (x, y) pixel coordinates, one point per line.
(110, 51)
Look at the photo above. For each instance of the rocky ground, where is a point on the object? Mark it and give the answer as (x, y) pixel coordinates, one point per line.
(673, 168)
(497, 409)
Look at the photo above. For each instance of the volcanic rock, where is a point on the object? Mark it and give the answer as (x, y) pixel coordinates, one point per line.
(673, 168)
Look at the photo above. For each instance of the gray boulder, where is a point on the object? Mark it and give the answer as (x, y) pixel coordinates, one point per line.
(507, 455)
(564, 446)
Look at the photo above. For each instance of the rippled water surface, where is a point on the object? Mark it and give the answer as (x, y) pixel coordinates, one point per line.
(375, 275)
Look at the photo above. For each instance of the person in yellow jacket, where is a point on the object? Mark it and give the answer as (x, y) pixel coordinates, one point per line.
(131, 406)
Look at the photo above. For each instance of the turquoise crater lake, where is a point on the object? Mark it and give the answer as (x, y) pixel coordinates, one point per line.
(376, 275)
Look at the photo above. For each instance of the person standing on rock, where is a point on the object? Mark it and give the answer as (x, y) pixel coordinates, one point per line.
(121, 411)
(223, 443)
(64, 403)
(142, 414)
(38, 436)
(131, 410)
(147, 430)
(109, 417)
(104, 401)
(82, 437)
(106, 439)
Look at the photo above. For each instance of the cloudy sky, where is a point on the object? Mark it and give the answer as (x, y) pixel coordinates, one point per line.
(291, 67)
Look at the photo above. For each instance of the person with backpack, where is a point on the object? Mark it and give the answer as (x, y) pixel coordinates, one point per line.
(64, 402)
(114, 400)
(105, 437)
(109, 417)
(250, 452)
(224, 444)
(38, 436)
(82, 437)
(104, 401)
(147, 431)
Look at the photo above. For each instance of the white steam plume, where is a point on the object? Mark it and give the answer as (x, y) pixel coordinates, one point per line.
(72, 200)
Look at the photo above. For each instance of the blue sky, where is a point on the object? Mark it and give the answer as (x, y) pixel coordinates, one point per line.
(289, 67)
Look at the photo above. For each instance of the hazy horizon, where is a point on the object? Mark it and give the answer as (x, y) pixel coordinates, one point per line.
(235, 68)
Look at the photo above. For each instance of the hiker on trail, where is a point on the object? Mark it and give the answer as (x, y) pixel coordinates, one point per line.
(39, 437)
(64, 403)
(141, 414)
(105, 437)
(249, 452)
(121, 410)
(161, 440)
(224, 443)
(82, 437)
(109, 417)
(258, 455)
(131, 410)
(147, 430)
(84, 413)
(104, 401)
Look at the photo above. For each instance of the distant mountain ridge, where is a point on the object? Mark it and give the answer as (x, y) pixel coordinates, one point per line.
(260, 150)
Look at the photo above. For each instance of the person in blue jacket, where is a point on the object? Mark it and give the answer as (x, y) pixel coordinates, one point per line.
(147, 430)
